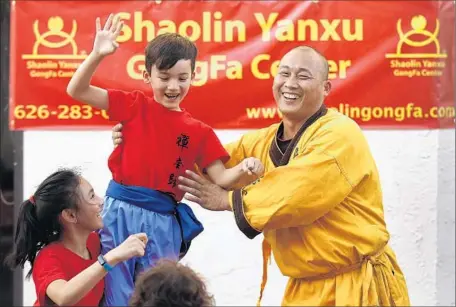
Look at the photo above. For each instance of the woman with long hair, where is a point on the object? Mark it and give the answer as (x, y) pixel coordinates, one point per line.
(56, 234)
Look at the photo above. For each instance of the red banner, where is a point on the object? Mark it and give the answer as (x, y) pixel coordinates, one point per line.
(391, 62)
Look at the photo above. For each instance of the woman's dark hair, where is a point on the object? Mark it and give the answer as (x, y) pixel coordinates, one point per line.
(170, 284)
(38, 221)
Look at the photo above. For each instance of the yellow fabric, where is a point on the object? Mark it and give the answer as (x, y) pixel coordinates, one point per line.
(266, 249)
(321, 213)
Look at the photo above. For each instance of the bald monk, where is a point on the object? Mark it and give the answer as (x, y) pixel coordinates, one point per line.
(319, 204)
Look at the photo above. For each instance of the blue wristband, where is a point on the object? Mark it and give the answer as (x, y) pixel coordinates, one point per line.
(103, 263)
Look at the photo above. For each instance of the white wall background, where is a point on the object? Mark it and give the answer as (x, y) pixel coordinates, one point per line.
(417, 169)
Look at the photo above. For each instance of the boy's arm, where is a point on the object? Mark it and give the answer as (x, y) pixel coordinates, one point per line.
(222, 176)
(80, 89)
(105, 43)
(212, 156)
(244, 173)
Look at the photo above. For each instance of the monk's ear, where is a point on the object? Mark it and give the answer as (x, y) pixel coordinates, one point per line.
(327, 87)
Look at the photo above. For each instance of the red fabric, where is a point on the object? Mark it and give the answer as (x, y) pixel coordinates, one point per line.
(158, 144)
(57, 262)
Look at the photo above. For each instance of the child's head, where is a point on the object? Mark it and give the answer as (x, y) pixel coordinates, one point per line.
(170, 66)
(170, 284)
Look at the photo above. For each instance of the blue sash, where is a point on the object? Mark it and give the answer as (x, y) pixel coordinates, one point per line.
(159, 202)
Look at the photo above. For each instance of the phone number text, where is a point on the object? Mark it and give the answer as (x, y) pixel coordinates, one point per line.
(58, 112)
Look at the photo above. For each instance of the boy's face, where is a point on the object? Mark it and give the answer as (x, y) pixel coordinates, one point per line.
(172, 85)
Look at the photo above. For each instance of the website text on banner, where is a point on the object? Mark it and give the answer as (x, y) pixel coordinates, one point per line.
(389, 70)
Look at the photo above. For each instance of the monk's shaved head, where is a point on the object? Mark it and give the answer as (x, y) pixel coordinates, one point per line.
(301, 83)
(323, 66)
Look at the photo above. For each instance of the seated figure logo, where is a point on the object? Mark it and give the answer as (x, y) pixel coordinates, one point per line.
(55, 30)
(418, 24)
(418, 51)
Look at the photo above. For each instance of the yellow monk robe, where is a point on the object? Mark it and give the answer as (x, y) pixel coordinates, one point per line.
(320, 208)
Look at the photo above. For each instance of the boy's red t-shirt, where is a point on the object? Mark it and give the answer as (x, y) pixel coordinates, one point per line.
(158, 144)
(55, 262)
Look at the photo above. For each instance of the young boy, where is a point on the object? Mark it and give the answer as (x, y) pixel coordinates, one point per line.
(163, 141)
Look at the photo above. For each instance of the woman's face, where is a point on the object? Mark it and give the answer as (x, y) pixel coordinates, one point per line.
(90, 206)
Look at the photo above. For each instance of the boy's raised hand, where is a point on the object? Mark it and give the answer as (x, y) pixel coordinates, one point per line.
(105, 39)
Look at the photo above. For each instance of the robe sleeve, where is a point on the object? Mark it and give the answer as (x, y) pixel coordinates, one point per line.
(297, 194)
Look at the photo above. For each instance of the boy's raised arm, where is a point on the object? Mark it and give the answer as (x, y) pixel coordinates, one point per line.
(105, 44)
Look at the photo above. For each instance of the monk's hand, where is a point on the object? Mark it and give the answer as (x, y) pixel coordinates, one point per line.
(203, 192)
(117, 134)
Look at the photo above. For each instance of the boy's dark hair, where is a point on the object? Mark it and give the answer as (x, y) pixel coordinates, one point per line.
(38, 221)
(170, 284)
(165, 50)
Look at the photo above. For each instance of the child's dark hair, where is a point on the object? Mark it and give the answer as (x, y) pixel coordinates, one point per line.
(165, 50)
(38, 221)
(170, 284)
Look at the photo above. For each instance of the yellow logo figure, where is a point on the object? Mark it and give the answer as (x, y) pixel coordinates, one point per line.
(55, 27)
(418, 24)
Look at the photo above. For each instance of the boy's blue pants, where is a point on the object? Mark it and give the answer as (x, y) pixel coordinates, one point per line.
(169, 226)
